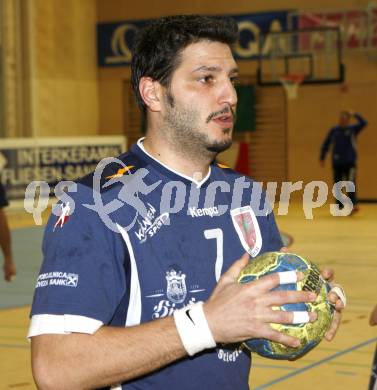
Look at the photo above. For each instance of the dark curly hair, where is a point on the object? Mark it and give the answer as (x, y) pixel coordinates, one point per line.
(158, 46)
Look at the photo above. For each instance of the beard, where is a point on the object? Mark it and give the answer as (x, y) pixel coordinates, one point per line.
(183, 126)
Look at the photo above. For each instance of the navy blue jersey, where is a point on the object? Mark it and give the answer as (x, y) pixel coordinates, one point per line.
(343, 142)
(142, 241)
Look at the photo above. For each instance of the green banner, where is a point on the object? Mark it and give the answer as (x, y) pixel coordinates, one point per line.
(245, 108)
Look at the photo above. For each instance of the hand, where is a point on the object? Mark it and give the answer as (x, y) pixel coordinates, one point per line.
(328, 275)
(9, 270)
(237, 312)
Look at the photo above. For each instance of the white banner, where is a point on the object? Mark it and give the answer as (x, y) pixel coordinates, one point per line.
(23, 160)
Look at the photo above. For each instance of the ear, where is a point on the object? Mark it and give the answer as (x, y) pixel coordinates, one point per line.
(150, 91)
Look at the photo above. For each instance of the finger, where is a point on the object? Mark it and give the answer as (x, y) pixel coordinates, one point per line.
(328, 274)
(290, 317)
(330, 334)
(274, 335)
(338, 303)
(235, 269)
(333, 298)
(279, 298)
(284, 249)
(268, 282)
(339, 293)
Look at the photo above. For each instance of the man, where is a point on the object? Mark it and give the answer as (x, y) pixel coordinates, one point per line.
(342, 138)
(5, 239)
(150, 254)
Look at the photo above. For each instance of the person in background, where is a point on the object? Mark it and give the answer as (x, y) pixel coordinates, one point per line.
(5, 239)
(342, 139)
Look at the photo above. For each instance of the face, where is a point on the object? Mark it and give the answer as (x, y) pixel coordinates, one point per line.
(199, 107)
(344, 118)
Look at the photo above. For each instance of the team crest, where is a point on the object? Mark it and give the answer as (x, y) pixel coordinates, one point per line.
(247, 227)
(176, 289)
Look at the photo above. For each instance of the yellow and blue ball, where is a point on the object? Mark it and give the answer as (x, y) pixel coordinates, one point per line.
(309, 334)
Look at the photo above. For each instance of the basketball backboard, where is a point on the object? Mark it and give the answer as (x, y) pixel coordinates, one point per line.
(314, 54)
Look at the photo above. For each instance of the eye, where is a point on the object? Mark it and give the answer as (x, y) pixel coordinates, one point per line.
(209, 79)
(234, 80)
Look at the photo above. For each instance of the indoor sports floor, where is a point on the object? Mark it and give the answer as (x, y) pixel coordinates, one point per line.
(347, 244)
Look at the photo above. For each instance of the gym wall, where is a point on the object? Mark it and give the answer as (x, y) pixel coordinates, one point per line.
(56, 64)
(70, 95)
(308, 118)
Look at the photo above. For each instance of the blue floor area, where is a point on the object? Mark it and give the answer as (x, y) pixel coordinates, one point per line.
(27, 254)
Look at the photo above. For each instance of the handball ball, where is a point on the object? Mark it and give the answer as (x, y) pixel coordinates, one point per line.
(310, 334)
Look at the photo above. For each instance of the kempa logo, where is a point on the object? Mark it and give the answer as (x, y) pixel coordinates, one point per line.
(57, 279)
(210, 211)
(150, 225)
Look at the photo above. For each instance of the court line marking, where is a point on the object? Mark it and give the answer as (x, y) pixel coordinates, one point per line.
(14, 307)
(318, 363)
(349, 373)
(355, 265)
(14, 346)
(273, 366)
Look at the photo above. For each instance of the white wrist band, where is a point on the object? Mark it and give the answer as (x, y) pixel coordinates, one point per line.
(193, 328)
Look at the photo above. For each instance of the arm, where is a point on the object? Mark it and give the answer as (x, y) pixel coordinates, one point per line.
(325, 146)
(109, 356)
(361, 123)
(5, 244)
(234, 313)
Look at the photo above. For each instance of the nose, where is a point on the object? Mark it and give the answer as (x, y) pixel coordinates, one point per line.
(228, 94)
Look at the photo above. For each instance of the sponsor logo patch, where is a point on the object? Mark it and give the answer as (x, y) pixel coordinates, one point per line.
(151, 224)
(57, 278)
(121, 172)
(206, 211)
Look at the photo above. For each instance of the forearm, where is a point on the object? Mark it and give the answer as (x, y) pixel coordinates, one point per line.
(326, 145)
(324, 149)
(5, 239)
(361, 121)
(111, 355)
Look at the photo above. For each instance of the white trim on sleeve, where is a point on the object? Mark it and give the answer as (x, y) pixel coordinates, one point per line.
(62, 324)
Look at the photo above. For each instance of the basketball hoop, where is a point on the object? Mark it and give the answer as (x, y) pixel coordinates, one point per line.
(290, 83)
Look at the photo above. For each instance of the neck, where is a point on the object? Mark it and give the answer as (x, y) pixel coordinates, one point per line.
(176, 158)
